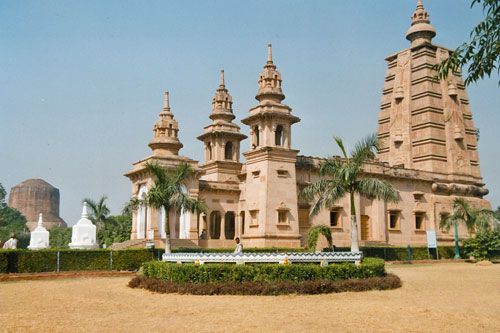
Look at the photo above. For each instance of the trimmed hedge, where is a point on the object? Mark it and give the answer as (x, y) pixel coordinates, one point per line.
(390, 281)
(25, 261)
(212, 273)
(400, 253)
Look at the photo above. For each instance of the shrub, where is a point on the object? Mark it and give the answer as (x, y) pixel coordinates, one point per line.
(485, 245)
(212, 273)
(389, 281)
(25, 261)
(400, 253)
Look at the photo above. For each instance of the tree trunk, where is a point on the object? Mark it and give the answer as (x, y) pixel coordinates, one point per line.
(354, 227)
(168, 249)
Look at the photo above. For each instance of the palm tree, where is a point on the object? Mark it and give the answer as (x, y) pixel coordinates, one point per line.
(344, 177)
(168, 193)
(473, 218)
(98, 211)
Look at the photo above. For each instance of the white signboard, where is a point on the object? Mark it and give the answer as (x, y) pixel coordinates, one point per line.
(431, 239)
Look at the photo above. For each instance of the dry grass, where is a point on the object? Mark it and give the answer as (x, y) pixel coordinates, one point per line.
(434, 298)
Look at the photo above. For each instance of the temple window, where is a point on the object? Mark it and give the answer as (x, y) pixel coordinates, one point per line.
(394, 220)
(209, 147)
(282, 217)
(278, 136)
(419, 221)
(335, 218)
(228, 151)
(256, 136)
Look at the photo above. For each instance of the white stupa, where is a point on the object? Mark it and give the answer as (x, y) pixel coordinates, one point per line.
(39, 238)
(84, 233)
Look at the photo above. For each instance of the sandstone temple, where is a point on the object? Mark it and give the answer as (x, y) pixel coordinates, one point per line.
(429, 154)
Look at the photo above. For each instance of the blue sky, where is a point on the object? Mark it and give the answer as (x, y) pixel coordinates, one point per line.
(82, 82)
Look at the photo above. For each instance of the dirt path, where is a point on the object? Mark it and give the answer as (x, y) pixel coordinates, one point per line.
(434, 298)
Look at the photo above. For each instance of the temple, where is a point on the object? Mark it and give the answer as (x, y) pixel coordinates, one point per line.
(428, 153)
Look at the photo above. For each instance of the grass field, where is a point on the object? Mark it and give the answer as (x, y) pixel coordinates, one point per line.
(434, 298)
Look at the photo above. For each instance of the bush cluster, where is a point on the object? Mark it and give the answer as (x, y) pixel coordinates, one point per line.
(213, 273)
(25, 261)
(485, 245)
(389, 281)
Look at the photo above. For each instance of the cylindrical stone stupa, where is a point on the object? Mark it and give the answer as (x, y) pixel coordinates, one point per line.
(35, 196)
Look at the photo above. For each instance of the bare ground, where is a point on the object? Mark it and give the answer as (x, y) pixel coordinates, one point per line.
(434, 298)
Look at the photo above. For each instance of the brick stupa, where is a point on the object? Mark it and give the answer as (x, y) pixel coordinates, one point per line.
(34, 197)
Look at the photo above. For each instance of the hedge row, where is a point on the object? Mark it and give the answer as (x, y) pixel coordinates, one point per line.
(213, 273)
(390, 281)
(25, 261)
(397, 253)
(388, 253)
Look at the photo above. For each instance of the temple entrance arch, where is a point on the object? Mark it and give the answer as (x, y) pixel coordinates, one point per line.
(229, 225)
(215, 219)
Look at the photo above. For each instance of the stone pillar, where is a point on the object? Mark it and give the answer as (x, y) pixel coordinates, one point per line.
(222, 226)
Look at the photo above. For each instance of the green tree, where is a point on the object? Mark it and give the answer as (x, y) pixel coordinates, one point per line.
(473, 218)
(98, 211)
(59, 237)
(344, 176)
(313, 234)
(482, 52)
(12, 221)
(168, 193)
(116, 229)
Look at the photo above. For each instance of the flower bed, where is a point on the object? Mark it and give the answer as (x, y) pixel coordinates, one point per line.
(213, 273)
(390, 281)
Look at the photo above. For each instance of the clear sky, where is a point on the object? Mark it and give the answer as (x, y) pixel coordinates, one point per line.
(82, 82)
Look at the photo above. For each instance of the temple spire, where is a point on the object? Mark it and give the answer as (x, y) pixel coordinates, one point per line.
(222, 83)
(421, 30)
(40, 220)
(165, 140)
(269, 53)
(166, 105)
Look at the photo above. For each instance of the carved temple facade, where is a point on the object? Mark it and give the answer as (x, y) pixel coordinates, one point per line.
(428, 152)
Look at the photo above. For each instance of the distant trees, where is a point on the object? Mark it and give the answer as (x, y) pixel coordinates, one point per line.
(12, 221)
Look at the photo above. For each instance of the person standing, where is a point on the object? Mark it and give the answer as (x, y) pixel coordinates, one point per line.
(239, 246)
(11, 243)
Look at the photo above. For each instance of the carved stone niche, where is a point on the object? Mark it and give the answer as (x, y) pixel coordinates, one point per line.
(452, 90)
(398, 137)
(457, 133)
(399, 94)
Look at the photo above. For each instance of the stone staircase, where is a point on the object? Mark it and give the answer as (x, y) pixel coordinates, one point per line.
(130, 244)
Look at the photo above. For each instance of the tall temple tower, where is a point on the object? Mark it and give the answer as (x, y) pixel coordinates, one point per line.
(147, 223)
(222, 139)
(426, 124)
(270, 167)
